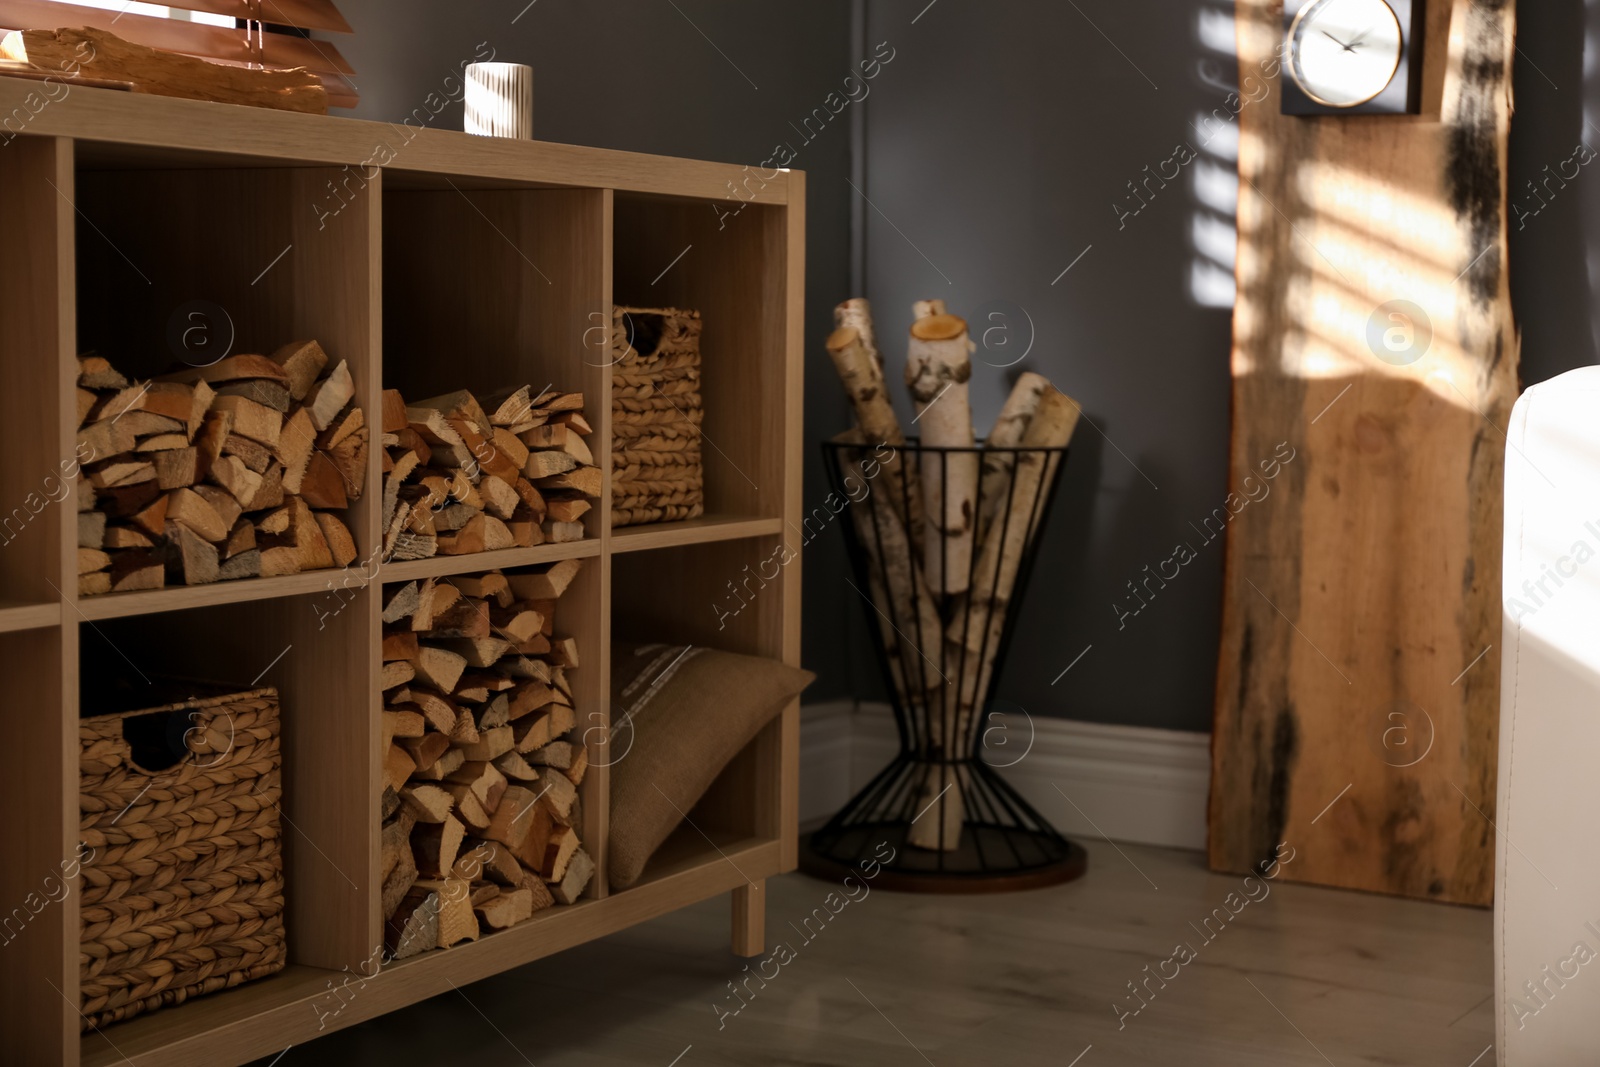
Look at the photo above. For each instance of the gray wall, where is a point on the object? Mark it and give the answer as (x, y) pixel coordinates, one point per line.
(1555, 236)
(994, 145)
(640, 75)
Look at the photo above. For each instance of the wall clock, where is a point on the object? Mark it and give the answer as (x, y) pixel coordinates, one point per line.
(1343, 57)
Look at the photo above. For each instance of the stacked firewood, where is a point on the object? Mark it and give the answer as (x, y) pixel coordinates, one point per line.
(462, 476)
(948, 536)
(480, 801)
(234, 470)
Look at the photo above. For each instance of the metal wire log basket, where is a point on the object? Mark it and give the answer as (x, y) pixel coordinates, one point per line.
(943, 619)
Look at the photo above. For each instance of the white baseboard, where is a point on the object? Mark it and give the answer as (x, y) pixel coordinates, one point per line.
(1127, 783)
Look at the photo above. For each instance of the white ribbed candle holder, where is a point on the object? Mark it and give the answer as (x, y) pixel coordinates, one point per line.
(500, 100)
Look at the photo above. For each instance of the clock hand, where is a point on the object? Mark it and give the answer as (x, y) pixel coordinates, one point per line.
(1364, 35)
(1336, 41)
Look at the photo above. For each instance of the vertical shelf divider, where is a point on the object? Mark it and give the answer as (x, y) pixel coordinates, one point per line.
(597, 393)
(66, 538)
(38, 536)
(337, 294)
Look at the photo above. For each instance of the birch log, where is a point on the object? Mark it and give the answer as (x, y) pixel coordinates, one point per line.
(1055, 417)
(923, 309)
(937, 369)
(938, 817)
(857, 314)
(994, 478)
(905, 610)
(938, 366)
(875, 417)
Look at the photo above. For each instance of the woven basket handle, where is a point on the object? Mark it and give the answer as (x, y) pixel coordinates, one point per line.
(158, 741)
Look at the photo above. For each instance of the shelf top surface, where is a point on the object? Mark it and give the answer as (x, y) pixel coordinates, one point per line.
(135, 130)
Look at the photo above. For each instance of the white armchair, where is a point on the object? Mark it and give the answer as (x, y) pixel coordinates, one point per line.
(1547, 899)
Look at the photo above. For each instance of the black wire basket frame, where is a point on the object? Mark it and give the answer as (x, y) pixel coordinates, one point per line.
(985, 835)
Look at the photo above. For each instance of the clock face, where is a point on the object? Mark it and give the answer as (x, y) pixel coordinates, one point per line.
(1344, 52)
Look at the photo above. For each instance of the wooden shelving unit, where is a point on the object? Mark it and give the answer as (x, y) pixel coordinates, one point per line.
(462, 263)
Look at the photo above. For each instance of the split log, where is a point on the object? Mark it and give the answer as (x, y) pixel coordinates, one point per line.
(515, 765)
(404, 723)
(469, 809)
(507, 909)
(398, 882)
(491, 744)
(440, 667)
(579, 869)
(192, 511)
(414, 926)
(558, 852)
(556, 754)
(323, 485)
(559, 792)
(585, 480)
(401, 603)
(329, 396)
(434, 846)
(302, 363)
(296, 442)
(255, 421)
(91, 529)
(428, 803)
(484, 780)
(397, 767)
(513, 816)
(547, 584)
(396, 673)
(196, 561)
(341, 545)
(395, 842)
(137, 570)
(491, 860)
(454, 902)
(443, 767)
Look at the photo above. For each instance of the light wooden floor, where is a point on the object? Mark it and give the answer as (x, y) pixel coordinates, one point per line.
(1303, 977)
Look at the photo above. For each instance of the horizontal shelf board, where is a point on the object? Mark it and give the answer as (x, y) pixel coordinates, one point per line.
(688, 848)
(180, 597)
(264, 1017)
(15, 615)
(436, 566)
(166, 132)
(705, 529)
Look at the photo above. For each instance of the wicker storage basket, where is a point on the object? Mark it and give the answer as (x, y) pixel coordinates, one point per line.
(182, 893)
(656, 474)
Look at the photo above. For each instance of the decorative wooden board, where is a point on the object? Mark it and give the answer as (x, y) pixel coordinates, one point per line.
(1356, 713)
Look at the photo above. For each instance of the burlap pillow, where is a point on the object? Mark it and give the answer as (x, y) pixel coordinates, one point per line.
(689, 711)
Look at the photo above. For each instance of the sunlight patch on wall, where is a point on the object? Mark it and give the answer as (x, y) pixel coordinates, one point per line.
(1215, 174)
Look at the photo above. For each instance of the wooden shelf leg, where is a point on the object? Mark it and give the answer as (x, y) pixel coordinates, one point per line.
(750, 919)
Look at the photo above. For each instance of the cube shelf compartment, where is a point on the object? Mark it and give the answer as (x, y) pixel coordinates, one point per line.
(464, 263)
